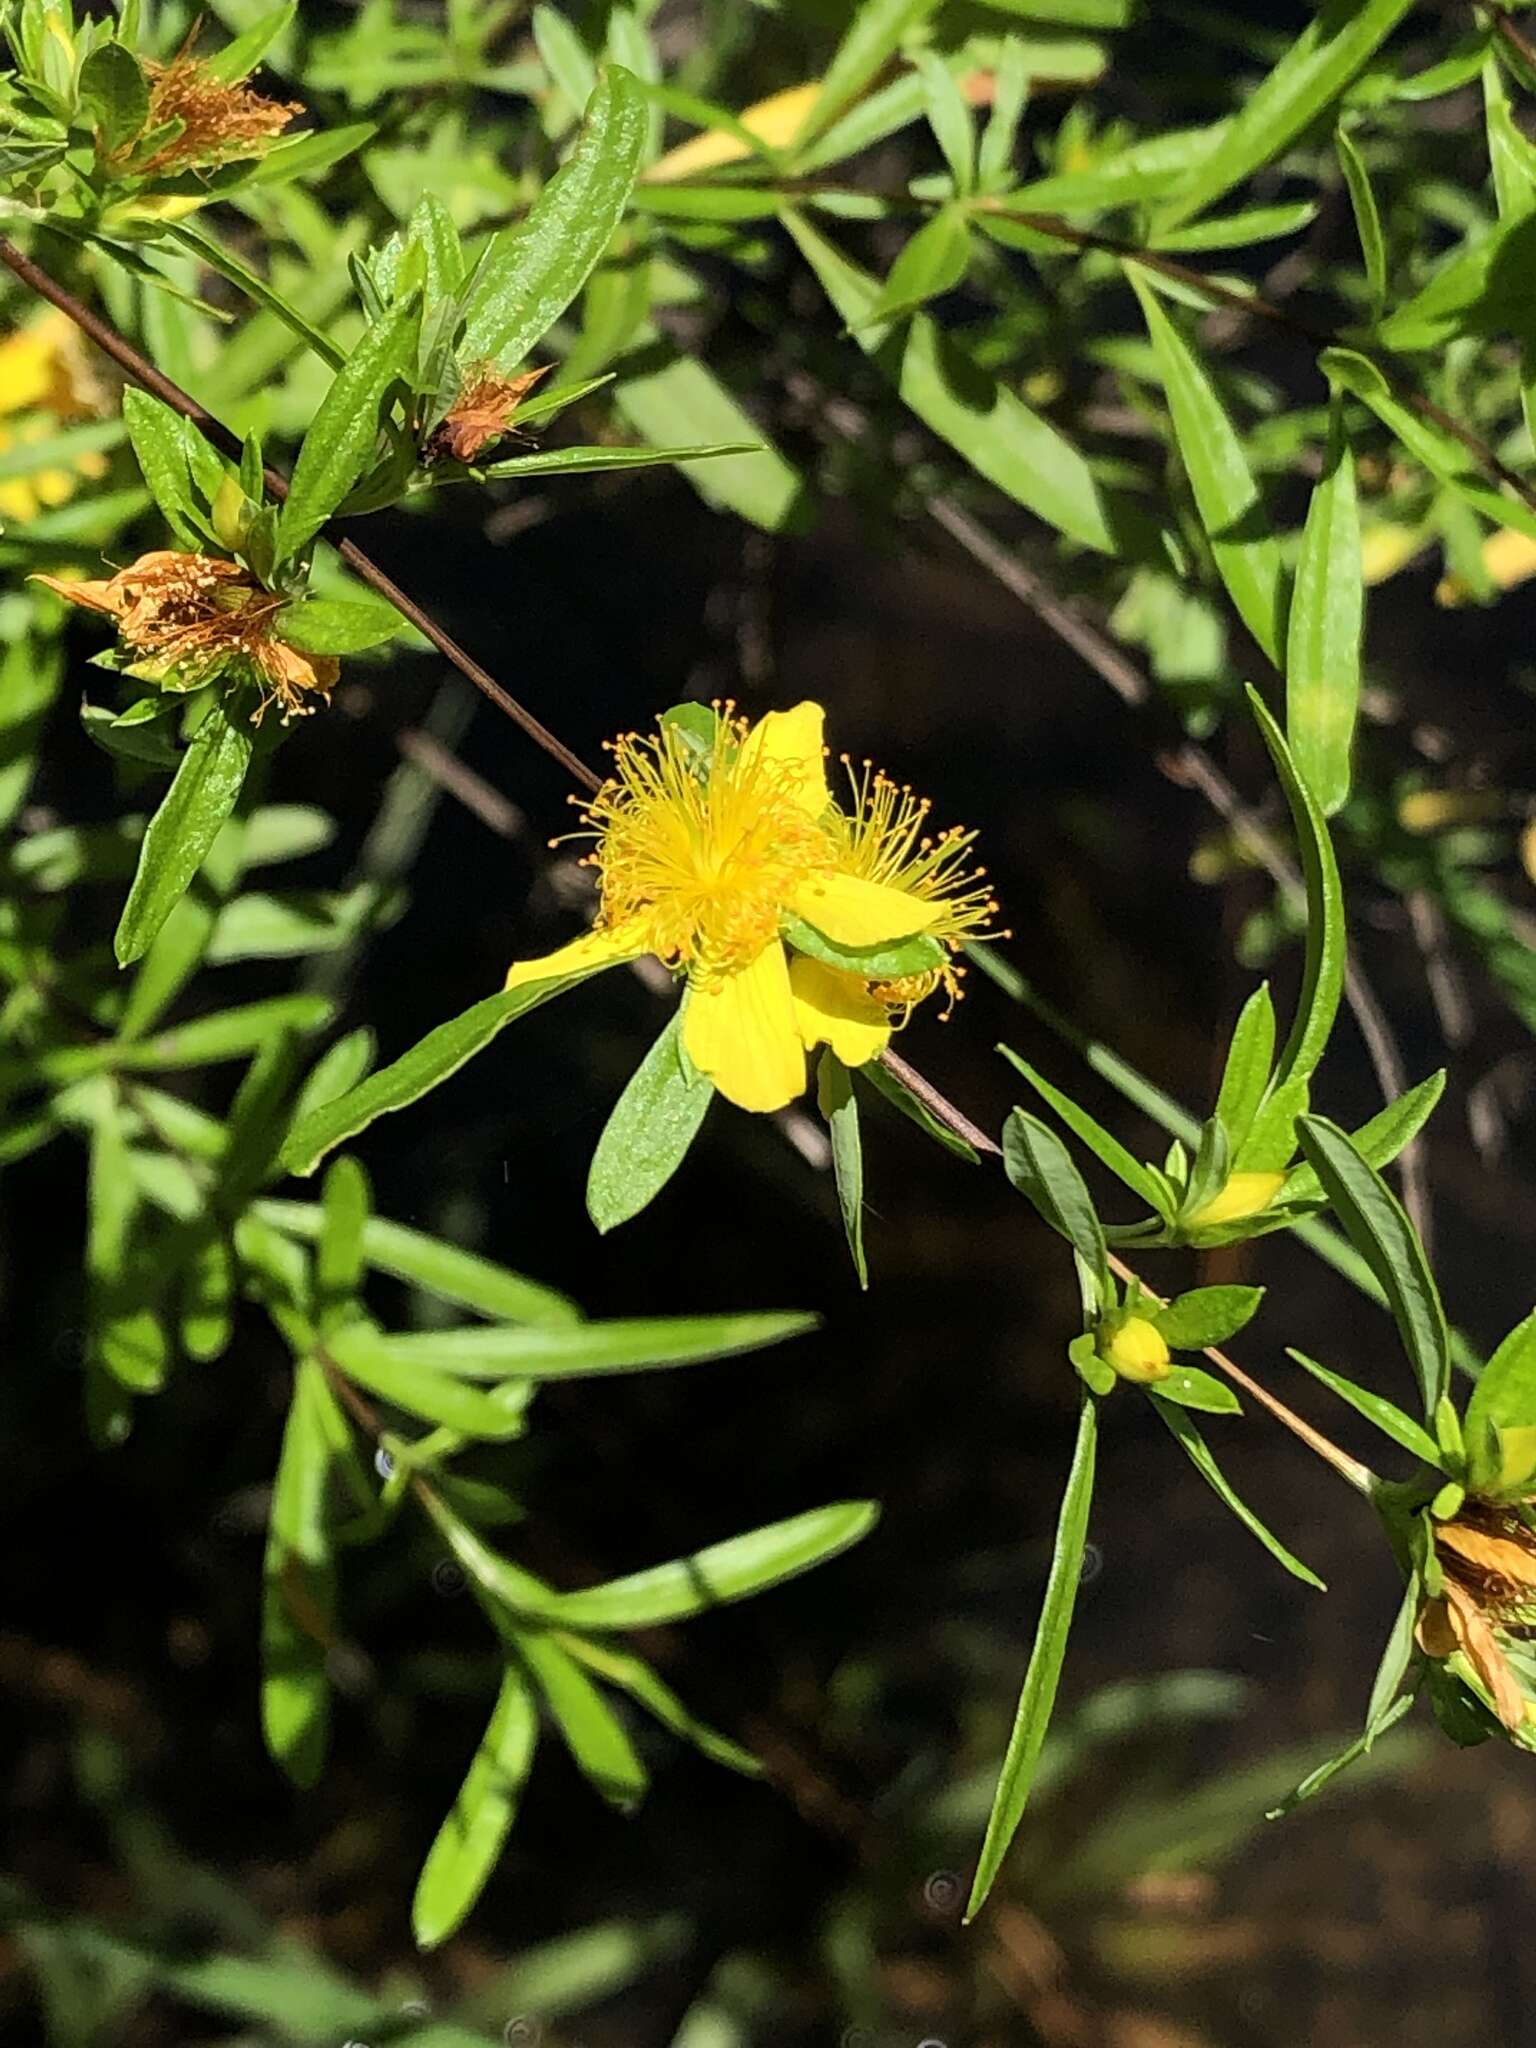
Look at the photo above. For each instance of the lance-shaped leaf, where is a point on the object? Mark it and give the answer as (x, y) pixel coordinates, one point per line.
(1373, 243)
(1206, 1315)
(1245, 1075)
(1327, 939)
(419, 1388)
(593, 1732)
(838, 1104)
(1379, 1228)
(1198, 1451)
(1322, 665)
(876, 29)
(441, 1053)
(1316, 1781)
(724, 1572)
(298, 1602)
(979, 415)
(633, 1675)
(125, 1336)
(575, 1351)
(531, 273)
(339, 1256)
(469, 1843)
(344, 432)
(180, 834)
(1243, 543)
(1045, 1660)
(158, 439)
(1380, 1139)
(1104, 1145)
(1041, 1168)
(1384, 1414)
(1512, 160)
(647, 1137)
(1309, 78)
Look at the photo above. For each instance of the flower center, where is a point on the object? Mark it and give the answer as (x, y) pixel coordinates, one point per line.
(704, 846)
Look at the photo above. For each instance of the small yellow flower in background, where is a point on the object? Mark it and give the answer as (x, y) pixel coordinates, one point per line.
(1241, 1196)
(1487, 1555)
(732, 863)
(46, 381)
(220, 122)
(188, 618)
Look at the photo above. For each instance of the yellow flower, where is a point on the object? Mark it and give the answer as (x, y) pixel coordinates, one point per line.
(730, 861)
(1243, 1195)
(187, 618)
(46, 380)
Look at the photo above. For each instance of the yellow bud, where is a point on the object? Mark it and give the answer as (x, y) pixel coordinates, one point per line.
(1137, 1352)
(231, 516)
(143, 218)
(1517, 1455)
(776, 120)
(1245, 1194)
(1386, 549)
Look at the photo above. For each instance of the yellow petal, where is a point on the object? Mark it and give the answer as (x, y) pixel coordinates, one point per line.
(793, 739)
(852, 912)
(594, 949)
(776, 120)
(834, 1008)
(740, 1030)
(26, 369)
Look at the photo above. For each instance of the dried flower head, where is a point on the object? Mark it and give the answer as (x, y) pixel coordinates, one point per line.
(1486, 1610)
(187, 619)
(213, 122)
(482, 412)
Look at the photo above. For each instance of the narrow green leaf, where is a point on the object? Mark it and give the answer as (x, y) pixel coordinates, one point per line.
(1479, 289)
(1512, 160)
(1207, 1315)
(208, 1297)
(1198, 1452)
(1441, 453)
(469, 1843)
(125, 1336)
(1240, 230)
(442, 1269)
(225, 1034)
(877, 28)
(633, 1675)
(1327, 938)
(1102, 1143)
(838, 1104)
(1376, 1409)
(647, 1136)
(1373, 243)
(1322, 668)
(1315, 1781)
(344, 433)
(307, 155)
(1380, 1139)
(239, 58)
(1379, 1227)
(531, 273)
(1040, 1167)
(566, 57)
(373, 1360)
(1395, 1661)
(594, 461)
(113, 87)
(339, 1257)
(298, 1603)
(681, 401)
(1231, 510)
(581, 1350)
(1245, 1075)
(593, 1733)
(1045, 1660)
(177, 838)
(933, 262)
(728, 1571)
(949, 117)
(31, 672)
(441, 1053)
(1309, 78)
(980, 416)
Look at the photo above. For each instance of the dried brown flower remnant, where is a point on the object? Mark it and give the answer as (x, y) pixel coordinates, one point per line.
(192, 616)
(219, 121)
(481, 413)
(1488, 1556)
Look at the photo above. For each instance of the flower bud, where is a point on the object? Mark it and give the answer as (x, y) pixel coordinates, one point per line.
(231, 513)
(1137, 1352)
(1244, 1194)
